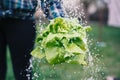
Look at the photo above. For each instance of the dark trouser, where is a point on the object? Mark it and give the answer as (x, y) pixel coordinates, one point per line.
(19, 35)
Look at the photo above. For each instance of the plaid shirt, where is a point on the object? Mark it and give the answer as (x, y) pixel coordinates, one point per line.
(26, 8)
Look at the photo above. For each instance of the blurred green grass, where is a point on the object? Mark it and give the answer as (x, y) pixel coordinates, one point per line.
(109, 55)
(111, 52)
(9, 75)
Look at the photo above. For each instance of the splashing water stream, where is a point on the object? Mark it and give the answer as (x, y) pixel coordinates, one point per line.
(94, 70)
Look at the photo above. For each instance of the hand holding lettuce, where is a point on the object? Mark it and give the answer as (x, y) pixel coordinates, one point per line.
(63, 40)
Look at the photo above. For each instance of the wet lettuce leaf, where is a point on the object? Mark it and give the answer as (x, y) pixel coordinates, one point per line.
(63, 40)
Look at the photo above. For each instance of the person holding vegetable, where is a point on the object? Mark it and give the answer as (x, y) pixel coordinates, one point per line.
(18, 32)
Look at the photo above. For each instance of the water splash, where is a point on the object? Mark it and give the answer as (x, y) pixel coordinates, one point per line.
(95, 68)
(75, 9)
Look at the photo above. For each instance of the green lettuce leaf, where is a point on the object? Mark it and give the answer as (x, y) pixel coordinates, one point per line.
(62, 40)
